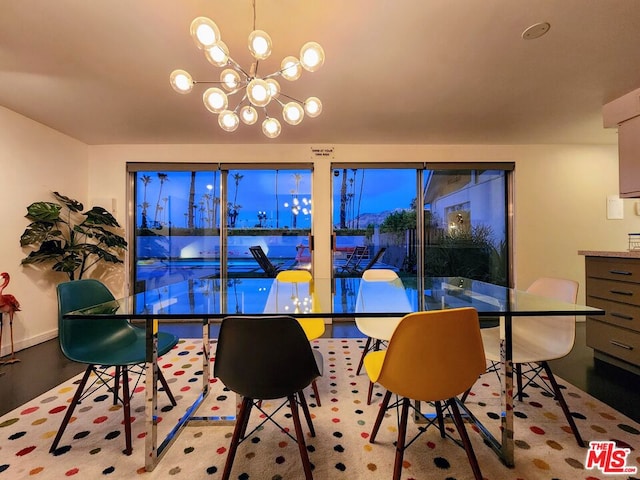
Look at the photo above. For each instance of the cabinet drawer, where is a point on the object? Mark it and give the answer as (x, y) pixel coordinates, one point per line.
(624, 269)
(621, 314)
(611, 290)
(615, 341)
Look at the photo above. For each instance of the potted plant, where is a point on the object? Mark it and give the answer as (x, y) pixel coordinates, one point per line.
(74, 241)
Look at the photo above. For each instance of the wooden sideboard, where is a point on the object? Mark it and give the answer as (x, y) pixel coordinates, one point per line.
(613, 284)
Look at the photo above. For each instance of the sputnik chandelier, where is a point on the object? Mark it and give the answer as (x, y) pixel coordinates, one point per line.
(253, 92)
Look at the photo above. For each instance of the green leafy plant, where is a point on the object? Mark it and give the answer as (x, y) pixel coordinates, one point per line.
(74, 241)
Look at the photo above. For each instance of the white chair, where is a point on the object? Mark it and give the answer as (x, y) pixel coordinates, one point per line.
(381, 290)
(536, 340)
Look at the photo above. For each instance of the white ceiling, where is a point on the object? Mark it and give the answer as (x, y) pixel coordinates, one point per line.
(403, 71)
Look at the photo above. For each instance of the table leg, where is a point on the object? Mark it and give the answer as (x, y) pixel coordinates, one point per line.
(151, 393)
(506, 384)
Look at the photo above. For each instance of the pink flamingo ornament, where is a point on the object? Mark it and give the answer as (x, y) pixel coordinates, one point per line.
(8, 304)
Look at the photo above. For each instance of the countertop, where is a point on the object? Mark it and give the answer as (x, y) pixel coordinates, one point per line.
(599, 253)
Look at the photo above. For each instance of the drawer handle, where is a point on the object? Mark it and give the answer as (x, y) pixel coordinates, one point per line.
(619, 272)
(621, 292)
(622, 316)
(621, 345)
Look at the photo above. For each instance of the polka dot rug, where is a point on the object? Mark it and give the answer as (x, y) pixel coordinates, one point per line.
(92, 445)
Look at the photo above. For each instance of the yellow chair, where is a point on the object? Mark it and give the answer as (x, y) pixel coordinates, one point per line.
(432, 357)
(291, 293)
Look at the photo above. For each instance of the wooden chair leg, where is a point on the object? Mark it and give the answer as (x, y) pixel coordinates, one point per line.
(402, 435)
(314, 386)
(302, 446)
(165, 385)
(126, 404)
(307, 414)
(440, 419)
(364, 353)
(116, 384)
(462, 431)
(369, 393)
(563, 403)
(518, 373)
(72, 406)
(238, 432)
(383, 408)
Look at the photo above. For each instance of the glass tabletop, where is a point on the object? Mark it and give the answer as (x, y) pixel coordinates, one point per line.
(325, 297)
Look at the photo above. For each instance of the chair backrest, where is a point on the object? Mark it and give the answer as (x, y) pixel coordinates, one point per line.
(381, 290)
(264, 357)
(376, 258)
(552, 333)
(294, 276)
(76, 336)
(434, 355)
(262, 259)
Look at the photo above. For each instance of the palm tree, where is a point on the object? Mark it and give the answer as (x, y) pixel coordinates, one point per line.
(360, 198)
(233, 209)
(297, 177)
(343, 200)
(146, 180)
(192, 195)
(163, 177)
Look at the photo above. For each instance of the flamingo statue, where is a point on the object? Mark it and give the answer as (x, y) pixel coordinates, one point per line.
(8, 304)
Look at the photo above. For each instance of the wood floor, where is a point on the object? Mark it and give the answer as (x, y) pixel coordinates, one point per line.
(42, 367)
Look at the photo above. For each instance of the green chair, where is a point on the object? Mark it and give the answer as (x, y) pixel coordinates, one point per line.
(107, 342)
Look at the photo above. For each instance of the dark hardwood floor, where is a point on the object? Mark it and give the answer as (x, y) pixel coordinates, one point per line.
(43, 366)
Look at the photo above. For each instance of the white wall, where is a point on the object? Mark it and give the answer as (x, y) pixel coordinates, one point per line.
(35, 161)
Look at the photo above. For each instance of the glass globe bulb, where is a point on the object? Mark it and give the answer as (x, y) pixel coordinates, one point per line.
(292, 113)
(228, 121)
(290, 68)
(313, 106)
(259, 44)
(258, 92)
(181, 81)
(311, 56)
(217, 54)
(215, 100)
(204, 32)
(271, 127)
(230, 79)
(248, 114)
(274, 87)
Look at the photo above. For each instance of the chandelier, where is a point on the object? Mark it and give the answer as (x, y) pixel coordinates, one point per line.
(241, 94)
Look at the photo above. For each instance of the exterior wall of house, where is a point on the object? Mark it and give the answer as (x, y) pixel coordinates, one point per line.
(560, 199)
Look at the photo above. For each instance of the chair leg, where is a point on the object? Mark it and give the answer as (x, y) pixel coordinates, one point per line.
(369, 393)
(563, 403)
(314, 386)
(440, 419)
(402, 435)
(383, 408)
(165, 385)
(302, 446)
(238, 433)
(518, 372)
(126, 404)
(72, 406)
(116, 384)
(364, 353)
(462, 431)
(307, 414)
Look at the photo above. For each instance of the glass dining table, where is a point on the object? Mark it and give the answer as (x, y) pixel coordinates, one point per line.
(207, 301)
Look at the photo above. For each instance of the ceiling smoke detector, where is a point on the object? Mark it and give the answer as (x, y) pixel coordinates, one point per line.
(536, 31)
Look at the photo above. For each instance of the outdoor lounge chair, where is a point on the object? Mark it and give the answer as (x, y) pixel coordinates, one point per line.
(269, 268)
(354, 258)
(356, 267)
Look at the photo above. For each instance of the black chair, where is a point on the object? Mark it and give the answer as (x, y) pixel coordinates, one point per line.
(265, 358)
(269, 268)
(108, 342)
